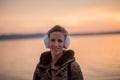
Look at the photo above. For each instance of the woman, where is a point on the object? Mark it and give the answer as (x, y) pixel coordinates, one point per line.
(58, 63)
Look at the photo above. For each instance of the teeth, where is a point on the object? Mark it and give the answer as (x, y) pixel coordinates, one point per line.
(55, 48)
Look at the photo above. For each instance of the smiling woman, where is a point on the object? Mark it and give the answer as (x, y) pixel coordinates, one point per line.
(57, 63)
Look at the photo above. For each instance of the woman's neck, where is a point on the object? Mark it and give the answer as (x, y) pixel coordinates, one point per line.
(55, 58)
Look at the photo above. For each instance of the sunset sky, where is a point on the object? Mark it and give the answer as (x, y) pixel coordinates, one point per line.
(34, 16)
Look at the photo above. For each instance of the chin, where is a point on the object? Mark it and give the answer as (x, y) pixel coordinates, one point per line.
(55, 52)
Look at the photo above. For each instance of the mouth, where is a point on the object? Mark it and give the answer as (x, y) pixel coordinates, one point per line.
(55, 49)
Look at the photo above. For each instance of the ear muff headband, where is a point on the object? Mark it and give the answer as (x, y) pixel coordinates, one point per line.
(47, 41)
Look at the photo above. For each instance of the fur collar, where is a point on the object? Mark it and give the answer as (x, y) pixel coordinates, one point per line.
(45, 58)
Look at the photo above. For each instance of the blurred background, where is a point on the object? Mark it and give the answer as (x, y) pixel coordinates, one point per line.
(94, 23)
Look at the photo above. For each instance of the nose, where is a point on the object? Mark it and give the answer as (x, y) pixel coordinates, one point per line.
(56, 44)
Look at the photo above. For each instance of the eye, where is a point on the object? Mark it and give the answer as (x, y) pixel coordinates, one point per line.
(52, 40)
(60, 40)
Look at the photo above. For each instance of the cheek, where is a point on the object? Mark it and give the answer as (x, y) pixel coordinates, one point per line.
(62, 45)
(51, 44)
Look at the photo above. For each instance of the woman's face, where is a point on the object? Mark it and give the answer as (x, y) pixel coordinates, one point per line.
(56, 42)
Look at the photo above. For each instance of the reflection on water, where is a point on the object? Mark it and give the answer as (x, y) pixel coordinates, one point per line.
(99, 57)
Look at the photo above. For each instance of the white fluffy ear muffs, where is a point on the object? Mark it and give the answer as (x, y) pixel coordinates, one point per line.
(67, 42)
(47, 41)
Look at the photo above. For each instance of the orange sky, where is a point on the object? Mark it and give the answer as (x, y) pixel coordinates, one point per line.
(33, 16)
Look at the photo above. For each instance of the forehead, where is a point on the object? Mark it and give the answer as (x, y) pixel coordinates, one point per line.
(57, 35)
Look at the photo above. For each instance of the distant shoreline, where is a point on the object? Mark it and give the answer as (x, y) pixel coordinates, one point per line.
(40, 35)
(20, 36)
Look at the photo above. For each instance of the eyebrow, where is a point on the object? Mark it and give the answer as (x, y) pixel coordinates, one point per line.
(59, 40)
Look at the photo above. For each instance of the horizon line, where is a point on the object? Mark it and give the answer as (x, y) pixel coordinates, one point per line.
(40, 35)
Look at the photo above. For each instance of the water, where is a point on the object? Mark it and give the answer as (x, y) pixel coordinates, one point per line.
(98, 56)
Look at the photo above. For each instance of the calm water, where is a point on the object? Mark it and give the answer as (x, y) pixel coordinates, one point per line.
(98, 56)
